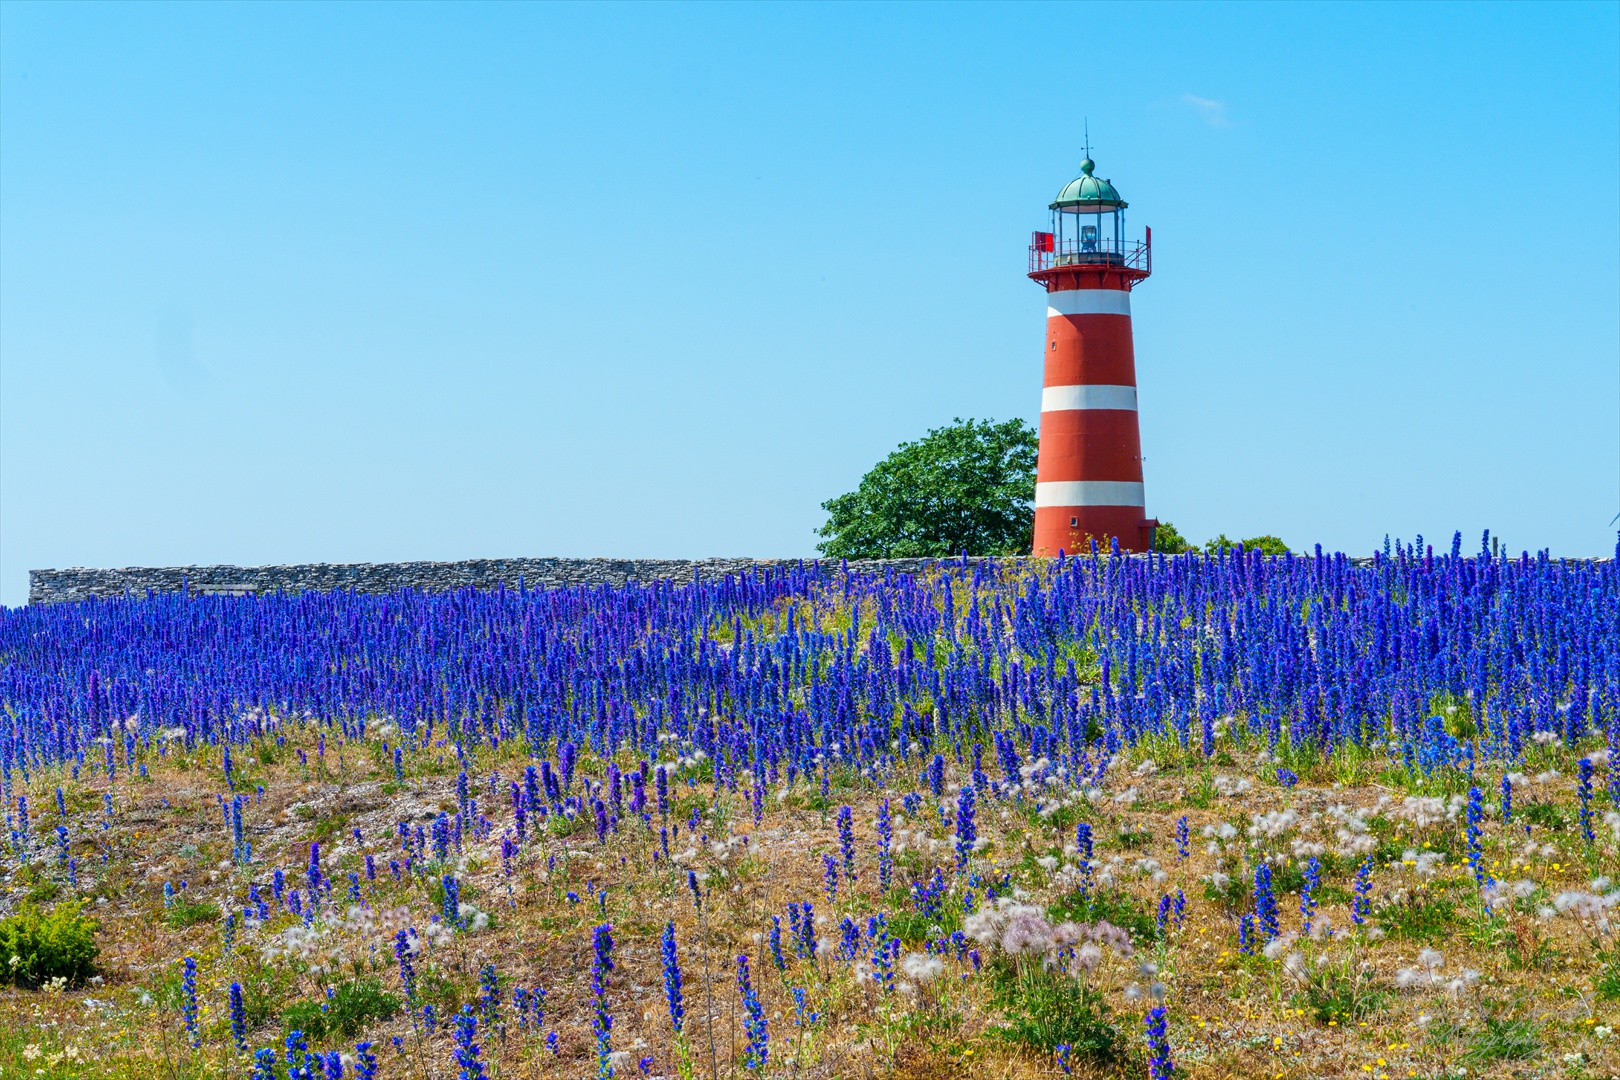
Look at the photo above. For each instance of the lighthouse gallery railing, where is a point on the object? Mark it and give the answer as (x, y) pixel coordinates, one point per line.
(1055, 255)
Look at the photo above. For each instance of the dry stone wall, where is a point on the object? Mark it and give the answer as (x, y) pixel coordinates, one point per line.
(80, 583)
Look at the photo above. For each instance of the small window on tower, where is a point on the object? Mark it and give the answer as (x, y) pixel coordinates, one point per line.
(1074, 523)
(1054, 346)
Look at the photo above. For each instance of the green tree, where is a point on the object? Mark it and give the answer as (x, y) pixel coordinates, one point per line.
(1168, 540)
(967, 487)
(1266, 545)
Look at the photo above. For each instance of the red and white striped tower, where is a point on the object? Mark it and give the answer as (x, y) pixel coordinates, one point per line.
(1088, 479)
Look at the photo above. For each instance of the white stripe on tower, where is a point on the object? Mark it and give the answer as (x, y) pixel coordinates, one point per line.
(1089, 493)
(1088, 302)
(1093, 396)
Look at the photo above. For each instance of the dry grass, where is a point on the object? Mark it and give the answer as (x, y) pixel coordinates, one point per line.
(1231, 1015)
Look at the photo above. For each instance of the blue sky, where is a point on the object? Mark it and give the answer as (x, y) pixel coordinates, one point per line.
(374, 282)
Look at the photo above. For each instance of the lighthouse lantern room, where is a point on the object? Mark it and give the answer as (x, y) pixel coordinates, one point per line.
(1088, 482)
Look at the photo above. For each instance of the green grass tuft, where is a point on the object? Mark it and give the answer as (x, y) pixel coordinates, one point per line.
(1044, 1009)
(1343, 992)
(352, 1006)
(184, 913)
(1503, 1040)
(1118, 908)
(1420, 919)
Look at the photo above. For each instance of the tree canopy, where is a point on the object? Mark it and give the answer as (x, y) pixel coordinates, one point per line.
(1168, 539)
(1265, 545)
(968, 487)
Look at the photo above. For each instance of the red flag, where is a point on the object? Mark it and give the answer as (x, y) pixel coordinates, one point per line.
(1043, 241)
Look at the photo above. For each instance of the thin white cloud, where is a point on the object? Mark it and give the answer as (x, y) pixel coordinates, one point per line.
(1212, 113)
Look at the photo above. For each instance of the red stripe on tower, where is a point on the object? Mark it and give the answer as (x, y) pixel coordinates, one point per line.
(1088, 479)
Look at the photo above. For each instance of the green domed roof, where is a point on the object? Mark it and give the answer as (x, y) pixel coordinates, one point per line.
(1086, 193)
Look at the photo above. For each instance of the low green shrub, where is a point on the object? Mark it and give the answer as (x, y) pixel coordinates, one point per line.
(37, 946)
(44, 892)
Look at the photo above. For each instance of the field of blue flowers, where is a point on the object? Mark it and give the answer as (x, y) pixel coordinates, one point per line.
(1204, 815)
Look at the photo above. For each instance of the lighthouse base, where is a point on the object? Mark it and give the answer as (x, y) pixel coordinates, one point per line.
(1071, 529)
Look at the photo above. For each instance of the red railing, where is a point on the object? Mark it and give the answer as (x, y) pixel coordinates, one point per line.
(1047, 254)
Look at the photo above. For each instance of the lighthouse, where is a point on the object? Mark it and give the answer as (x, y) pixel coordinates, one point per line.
(1088, 477)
